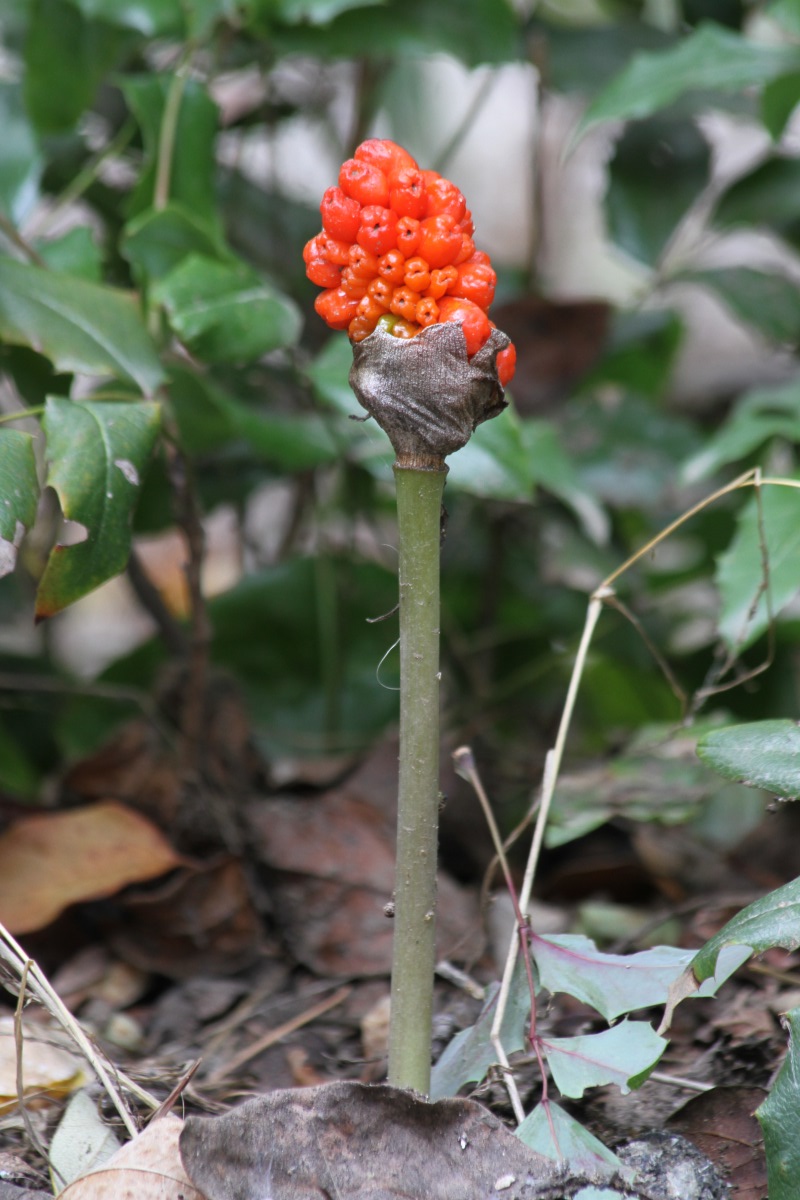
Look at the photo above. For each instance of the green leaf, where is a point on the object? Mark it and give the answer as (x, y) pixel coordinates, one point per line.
(611, 983)
(486, 31)
(772, 920)
(74, 253)
(744, 612)
(658, 170)
(19, 493)
(80, 326)
(780, 1120)
(624, 1055)
(787, 14)
(469, 1056)
(767, 196)
(585, 59)
(641, 353)
(778, 101)
(97, 454)
(495, 461)
(761, 415)
(152, 18)
(226, 313)
(60, 86)
(20, 159)
(554, 470)
(767, 301)
(155, 242)
(318, 12)
(581, 1149)
(193, 165)
(762, 754)
(711, 58)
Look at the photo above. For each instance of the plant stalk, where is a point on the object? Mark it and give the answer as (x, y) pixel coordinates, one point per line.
(419, 501)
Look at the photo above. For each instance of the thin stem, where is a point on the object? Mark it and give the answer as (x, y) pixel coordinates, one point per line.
(10, 232)
(419, 500)
(168, 134)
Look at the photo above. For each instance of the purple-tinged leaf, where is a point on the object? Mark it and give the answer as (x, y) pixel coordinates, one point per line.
(624, 1055)
(612, 983)
(576, 1145)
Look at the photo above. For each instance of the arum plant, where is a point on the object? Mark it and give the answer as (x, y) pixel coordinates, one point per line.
(402, 275)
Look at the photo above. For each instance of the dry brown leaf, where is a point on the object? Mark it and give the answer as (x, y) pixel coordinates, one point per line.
(51, 860)
(722, 1124)
(48, 1071)
(148, 1168)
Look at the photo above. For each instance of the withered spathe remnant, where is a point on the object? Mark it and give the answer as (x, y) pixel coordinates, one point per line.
(425, 393)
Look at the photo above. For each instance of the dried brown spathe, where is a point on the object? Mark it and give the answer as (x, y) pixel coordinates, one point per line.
(425, 393)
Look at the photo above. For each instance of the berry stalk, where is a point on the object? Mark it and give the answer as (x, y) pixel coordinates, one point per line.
(419, 501)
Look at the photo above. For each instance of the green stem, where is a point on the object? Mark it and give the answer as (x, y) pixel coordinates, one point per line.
(419, 500)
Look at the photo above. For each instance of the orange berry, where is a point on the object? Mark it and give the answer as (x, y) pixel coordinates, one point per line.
(475, 282)
(335, 251)
(405, 329)
(336, 308)
(362, 263)
(378, 230)
(442, 281)
(387, 156)
(444, 197)
(427, 312)
(359, 328)
(506, 364)
(408, 235)
(404, 303)
(392, 267)
(363, 182)
(341, 215)
(440, 240)
(353, 284)
(417, 276)
(407, 196)
(381, 292)
(473, 321)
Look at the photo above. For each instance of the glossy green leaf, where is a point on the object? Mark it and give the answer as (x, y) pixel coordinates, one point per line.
(19, 493)
(495, 461)
(772, 920)
(20, 157)
(151, 18)
(767, 196)
(469, 1056)
(297, 639)
(767, 301)
(60, 86)
(74, 253)
(192, 179)
(226, 313)
(80, 326)
(582, 1150)
(658, 169)
(97, 454)
(710, 59)
(778, 101)
(156, 242)
(761, 754)
(761, 415)
(611, 983)
(779, 1119)
(485, 31)
(740, 577)
(624, 1055)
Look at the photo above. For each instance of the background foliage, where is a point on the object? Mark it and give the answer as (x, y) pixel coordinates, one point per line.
(161, 363)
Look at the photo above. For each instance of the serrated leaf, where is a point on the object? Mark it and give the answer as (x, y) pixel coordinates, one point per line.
(772, 920)
(193, 171)
(471, 1053)
(20, 157)
(611, 983)
(19, 493)
(762, 414)
(152, 18)
(710, 59)
(658, 169)
(767, 196)
(780, 1119)
(744, 610)
(762, 754)
(226, 313)
(778, 101)
(581, 1149)
(767, 301)
(58, 86)
(79, 326)
(157, 241)
(97, 454)
(624, 1055)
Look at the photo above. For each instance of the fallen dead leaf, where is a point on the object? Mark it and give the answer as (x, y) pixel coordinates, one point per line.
(147, 1168)
(364, 1143)
(48, 1072)
(51, 860)
(721, 1124)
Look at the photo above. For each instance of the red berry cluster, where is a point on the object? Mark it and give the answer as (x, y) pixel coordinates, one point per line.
(396, 248)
